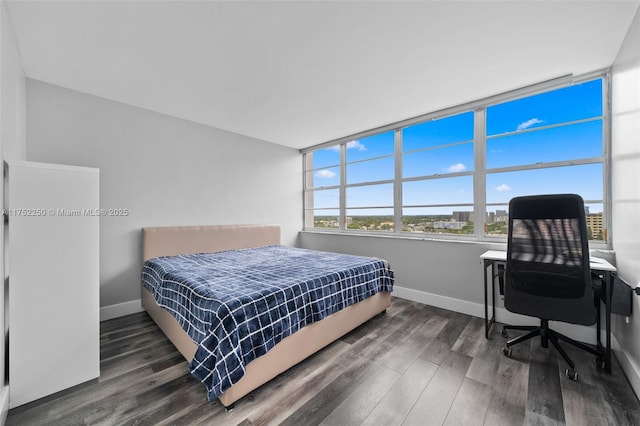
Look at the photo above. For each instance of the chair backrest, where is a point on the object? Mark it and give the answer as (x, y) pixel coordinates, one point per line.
(547, 273)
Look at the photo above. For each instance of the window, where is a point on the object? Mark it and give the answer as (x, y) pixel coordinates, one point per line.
(547, 143)
(437, 175)
(322, 188)
(369, 183)
(452, 173)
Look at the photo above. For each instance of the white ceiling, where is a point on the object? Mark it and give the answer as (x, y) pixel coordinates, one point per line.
(303, 73)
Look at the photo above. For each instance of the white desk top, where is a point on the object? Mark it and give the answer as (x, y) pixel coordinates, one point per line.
(595, 263)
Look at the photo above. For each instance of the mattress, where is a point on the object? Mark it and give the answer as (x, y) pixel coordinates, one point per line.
(237, 304)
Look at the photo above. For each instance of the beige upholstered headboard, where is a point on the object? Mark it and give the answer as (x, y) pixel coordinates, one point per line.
(174, 240)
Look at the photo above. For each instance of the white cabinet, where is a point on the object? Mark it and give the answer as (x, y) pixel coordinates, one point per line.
(53, 269)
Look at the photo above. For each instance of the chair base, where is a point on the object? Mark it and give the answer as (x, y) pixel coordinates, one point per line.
(548, 335)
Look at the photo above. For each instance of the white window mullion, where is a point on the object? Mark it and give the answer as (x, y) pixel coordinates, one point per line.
(343, 181)
(479, 176)
(308, 201)
(606, 152)
(397, 186)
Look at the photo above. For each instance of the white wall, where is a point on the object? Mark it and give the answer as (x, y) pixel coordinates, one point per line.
(165, 171)
(12, 147)
(626, 191)
(440, 270)
(12, 131)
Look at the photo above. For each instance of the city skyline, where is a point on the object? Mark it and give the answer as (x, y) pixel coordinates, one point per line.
(460, 222)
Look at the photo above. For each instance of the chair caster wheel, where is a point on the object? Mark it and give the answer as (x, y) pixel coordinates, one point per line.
(571, 374)
(508, 352)
(504, 333)
(600, 362)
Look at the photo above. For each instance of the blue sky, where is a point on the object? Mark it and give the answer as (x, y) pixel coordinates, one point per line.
(445, 146)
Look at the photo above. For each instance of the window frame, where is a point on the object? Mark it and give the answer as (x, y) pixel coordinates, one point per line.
(480, 171)
(350, 184)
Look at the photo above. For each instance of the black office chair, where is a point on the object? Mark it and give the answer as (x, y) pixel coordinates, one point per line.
(547, 274)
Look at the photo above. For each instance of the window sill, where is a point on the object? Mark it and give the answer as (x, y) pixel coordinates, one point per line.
(594, 246)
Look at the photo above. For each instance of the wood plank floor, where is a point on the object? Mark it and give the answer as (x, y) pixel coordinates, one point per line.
(413, 365)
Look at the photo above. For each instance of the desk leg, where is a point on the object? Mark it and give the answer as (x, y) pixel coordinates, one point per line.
(486, 302)
(609, 293)
(493, 293)
(599, 325)
(488, 323)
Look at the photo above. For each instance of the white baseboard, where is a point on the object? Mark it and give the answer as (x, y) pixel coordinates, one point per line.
(576, 332)
(457, 305)
(630, 368)
(120, 309)
(4, 404)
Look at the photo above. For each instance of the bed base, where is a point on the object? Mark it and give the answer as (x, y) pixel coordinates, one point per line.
(289, 352)
(167, 241)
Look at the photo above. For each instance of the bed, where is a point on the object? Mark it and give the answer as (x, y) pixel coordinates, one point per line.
(192, 242)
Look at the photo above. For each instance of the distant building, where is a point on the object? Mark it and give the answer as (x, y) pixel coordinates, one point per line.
(595, 222)
(448, 224)
(502, 216)
(497, 216)
(462, 216)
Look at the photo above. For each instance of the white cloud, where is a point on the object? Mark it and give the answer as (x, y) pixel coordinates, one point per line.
(325, 174)
(503, 187)
(350, 145)
(357, 145)
(529, 123)
(458, 167)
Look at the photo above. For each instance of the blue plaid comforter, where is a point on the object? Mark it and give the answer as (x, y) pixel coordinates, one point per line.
(236, 305)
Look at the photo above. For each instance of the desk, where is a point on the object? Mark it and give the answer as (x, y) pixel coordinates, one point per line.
(493, 258)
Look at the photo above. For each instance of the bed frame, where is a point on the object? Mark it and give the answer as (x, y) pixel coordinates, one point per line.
(168, 241)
